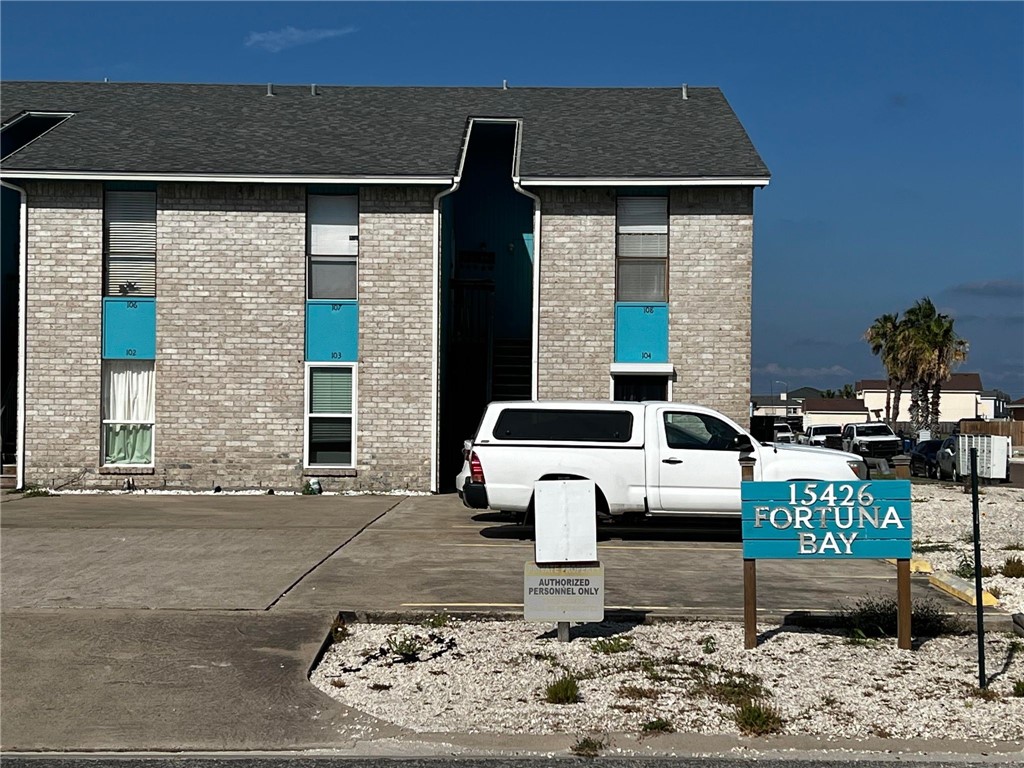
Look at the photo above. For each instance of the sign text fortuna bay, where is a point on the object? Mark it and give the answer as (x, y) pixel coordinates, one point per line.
(826, 520)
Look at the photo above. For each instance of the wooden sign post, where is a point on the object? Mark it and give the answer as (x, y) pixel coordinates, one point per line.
(831, 520)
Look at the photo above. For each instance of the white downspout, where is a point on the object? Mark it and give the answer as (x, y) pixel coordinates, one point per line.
(535, 335)
(22, 328)
(435, 343)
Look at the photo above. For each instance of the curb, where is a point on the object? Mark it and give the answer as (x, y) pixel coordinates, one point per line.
(960, 589)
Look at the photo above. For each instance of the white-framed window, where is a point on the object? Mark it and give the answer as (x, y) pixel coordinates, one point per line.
(129, 412)
(641, 264)
(129, 243)
(332, 243)
(330, 415)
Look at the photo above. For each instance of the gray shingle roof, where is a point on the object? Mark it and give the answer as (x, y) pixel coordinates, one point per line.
(369, 131)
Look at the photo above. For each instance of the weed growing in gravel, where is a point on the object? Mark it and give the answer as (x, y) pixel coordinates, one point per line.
(708, 645)
(756, 718)
(565, 690)
(406, 647)
(1013, 568)
(338, 683)
(985, 694)
(1018, 688)
(437, 621)
(339, 630)
(874, 617)
(726, 685)
(964, 567)
(636, 692)
(380, 686)
(619, 644)
(658, 725)
(588, 746)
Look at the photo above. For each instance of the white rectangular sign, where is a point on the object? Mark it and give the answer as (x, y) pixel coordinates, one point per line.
(563, 593)
(565, 521)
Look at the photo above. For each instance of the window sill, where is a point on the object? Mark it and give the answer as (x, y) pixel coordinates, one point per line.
(330, 472)
(128, 469)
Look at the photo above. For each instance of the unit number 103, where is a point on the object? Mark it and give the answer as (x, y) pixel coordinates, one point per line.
(843, 495)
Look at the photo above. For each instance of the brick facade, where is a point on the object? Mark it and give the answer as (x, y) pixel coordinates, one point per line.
(62, 377)
(230, 373)
(577, 293)
(711, 232)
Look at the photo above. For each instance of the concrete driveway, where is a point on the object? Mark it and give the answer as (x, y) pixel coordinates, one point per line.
(152, 622)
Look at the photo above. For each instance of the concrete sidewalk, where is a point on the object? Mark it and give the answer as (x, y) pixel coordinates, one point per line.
(149, 622)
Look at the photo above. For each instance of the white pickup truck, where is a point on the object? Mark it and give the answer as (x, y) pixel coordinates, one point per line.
(654, 458)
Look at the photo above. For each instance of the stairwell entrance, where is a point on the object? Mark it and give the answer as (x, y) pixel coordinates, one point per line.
(486, 292)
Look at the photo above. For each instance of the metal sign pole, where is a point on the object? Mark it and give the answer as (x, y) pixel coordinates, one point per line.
(982, 682)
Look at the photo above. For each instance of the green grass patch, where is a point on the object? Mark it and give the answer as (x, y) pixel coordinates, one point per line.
(437, 621)
(1018, 688)
(757, 718)
(406, 647)
(1013, 568)
(564, 690)
(618, 644)
(876, 617)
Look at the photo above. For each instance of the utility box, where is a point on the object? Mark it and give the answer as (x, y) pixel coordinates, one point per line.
(565, 521)
(993, 455)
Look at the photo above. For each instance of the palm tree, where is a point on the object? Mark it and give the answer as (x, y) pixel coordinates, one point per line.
(930, 349)
(848, 392)
(883, 338)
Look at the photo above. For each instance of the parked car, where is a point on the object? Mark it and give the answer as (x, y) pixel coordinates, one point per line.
(817, 433)
(924, 459)
(946, 459)
(783, 432)
(655, 458)
(873, 440)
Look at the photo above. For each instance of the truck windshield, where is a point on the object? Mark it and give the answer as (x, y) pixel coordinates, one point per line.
(564, 426)
(875, 430)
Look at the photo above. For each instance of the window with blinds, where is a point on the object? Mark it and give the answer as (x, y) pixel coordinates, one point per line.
(332, 236)
(129, 227)
(329, 420)
(641, 266)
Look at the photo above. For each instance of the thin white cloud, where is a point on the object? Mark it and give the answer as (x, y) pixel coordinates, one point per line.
(290, 37)
(774, 369)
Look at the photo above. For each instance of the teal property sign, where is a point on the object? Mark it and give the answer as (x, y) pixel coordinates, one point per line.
(826, 519)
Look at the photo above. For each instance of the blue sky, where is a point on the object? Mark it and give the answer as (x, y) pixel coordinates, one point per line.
(894, 131)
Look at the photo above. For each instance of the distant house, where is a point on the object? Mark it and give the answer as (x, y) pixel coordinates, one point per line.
(784, 404)
(960, 397)
(1016, 410)
(834, 410)
(993, 405)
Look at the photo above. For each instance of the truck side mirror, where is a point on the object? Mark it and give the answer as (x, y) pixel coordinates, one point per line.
(742, 443)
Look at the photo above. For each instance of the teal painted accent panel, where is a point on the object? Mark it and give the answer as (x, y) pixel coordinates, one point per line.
(332, 331)
(528, 240)
(129, 328)
(641, 332)
(826, 520)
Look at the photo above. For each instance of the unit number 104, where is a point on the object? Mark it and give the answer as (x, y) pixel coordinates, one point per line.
(843, 495)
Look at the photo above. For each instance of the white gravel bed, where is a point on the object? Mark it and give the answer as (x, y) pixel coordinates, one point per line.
(942, 529)
(491, 677)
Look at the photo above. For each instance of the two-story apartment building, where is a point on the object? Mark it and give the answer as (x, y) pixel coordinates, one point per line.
(248, 286)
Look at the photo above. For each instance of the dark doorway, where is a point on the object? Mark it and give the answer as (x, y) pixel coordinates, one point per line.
(486, 292)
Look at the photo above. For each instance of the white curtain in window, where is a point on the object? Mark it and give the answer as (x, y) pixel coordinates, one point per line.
(128, 412)
(128, 391)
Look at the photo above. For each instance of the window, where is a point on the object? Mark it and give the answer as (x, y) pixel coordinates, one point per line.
(698, 431)
(129, 228)
(332, 236)
(128, 411)
(640, 388)
(641, 268)
(329, 419)
(566, 426)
